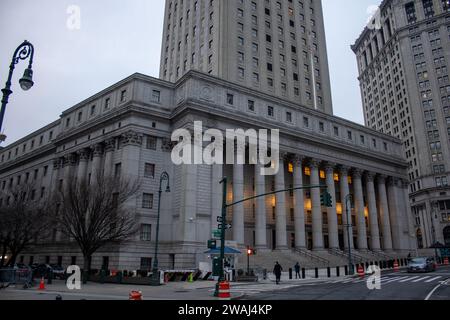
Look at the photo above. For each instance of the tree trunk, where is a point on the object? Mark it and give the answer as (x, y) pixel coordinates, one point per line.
(86, 267)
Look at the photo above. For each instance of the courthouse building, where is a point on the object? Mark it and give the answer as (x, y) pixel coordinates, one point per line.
(230, 64)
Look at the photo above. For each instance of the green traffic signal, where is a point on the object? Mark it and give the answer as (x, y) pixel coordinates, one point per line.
(326, 200)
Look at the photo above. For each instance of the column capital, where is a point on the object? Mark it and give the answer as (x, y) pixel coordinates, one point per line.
(393, 181)
(284, 156)
(57, 163)
(297, 160)
(357, 173)
(83, 154)
(97, 150)
(381, 178)
(314, 163)
(370, 176)
(329, 167)
(72, 158)
(110, 144)
(343, 170)
(131, 138)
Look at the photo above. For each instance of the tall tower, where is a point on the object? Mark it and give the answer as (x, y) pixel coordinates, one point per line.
(403, 61)
(277, 47)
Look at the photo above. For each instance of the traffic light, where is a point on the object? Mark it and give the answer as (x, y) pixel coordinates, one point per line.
(326, 200)
(250, 251)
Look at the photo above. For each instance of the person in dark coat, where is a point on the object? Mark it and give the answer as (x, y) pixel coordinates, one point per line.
(297, 271)
(277, 272)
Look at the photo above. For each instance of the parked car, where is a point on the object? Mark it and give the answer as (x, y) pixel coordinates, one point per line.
(58, 272)
(42, 270)
(422, 264)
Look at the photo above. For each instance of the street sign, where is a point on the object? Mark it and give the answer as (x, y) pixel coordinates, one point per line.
(219, 219)
(227, 226)
(212, 244)
(217, 233)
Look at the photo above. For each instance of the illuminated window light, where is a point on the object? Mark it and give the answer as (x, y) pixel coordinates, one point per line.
(291, 168)
(336, 177)
(308, 171)
(322, 174)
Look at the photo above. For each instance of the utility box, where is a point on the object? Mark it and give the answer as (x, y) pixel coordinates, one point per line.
(216, 267)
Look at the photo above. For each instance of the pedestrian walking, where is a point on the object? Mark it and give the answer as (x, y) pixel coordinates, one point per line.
(297, 271)
(277, 272)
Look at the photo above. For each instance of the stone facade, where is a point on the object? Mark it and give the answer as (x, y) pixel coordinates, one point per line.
(129, 125)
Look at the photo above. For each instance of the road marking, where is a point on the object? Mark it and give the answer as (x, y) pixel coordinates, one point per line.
(395, 279)
(435, 278)
(421, 279)
(409, 279)
(434, 290)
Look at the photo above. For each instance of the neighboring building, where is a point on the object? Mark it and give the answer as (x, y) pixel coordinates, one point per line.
(404, 77)
(277, 47)
(127, 129)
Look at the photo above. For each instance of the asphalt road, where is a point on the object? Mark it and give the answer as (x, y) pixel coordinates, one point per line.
(394, 286)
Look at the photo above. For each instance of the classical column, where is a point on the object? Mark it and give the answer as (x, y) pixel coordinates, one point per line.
(83, 159)
(70, 162)
(384, 213)
(333, 233)
(299, 204)
(260, 209)
(216, 194)
(346, 216)
(238, 210)
(110, 146)
(97, 154)
(395, 213)
(359, 207)
(280, 206)
(57, 165)
(409, 216)
(317, 223)
(373, 213)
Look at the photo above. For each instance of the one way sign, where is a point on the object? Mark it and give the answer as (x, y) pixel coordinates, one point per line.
(227, 226)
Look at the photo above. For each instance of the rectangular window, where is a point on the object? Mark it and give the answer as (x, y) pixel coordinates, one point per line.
(156, 96)
(251, 105)
(117, 170)
(146, 232)
(147, 201)
(230, 99)
(149, 170)
(151, 143)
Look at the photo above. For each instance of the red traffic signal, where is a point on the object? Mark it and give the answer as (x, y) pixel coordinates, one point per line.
(251, 252)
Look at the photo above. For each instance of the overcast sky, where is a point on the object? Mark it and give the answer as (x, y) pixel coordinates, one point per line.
(120, 37)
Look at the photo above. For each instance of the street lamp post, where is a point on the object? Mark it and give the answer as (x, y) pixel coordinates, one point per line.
(23, 52)
(348, 204)
(155, 278)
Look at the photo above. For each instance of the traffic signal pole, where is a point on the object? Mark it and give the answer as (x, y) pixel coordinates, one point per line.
(225, 206)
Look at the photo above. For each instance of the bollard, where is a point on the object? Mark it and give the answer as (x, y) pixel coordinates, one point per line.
(316, 271)
(303, 273)
(50, 277)
(329, 272)
(346, 270)
(338, 271)
(290, 273)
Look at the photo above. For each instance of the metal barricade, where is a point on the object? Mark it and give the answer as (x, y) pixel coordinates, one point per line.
(16, 277)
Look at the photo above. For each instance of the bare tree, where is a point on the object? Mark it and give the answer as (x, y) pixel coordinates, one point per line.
(96, 213)
(24, 220)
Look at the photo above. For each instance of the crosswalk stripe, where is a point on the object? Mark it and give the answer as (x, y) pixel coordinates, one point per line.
(409, 279)
(421, 279)
(389, 281)
(435, 278)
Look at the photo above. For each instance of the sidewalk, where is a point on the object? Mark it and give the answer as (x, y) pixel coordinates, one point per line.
(200, 290)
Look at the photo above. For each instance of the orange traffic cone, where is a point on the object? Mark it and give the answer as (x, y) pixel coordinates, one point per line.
(361, 271)
(42, 284)
(396, 267)
(135, 295)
